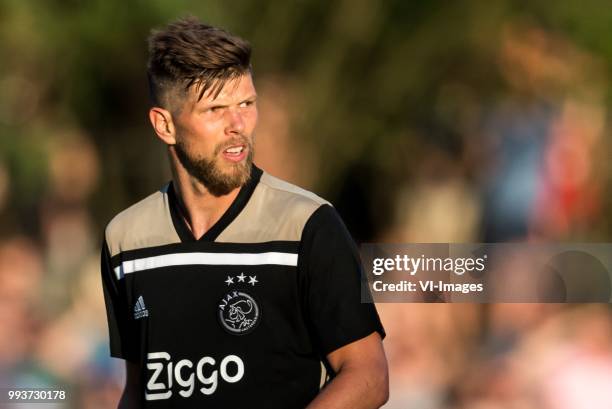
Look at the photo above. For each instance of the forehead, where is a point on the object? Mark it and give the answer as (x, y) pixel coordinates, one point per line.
(233, 91)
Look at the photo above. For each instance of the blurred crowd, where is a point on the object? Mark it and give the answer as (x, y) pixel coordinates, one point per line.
(53, 323)
(527, 164)
(532, 168)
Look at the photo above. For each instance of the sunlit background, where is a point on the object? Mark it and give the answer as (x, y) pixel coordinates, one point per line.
(422, 121)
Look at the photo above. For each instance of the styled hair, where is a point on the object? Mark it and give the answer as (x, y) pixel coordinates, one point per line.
(189, 53)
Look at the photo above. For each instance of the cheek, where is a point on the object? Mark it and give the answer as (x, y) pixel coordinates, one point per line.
(251, 119)
(200, 138)
(204, 131)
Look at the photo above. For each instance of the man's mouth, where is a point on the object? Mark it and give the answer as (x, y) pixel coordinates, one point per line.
(234, 150)
(235, 153)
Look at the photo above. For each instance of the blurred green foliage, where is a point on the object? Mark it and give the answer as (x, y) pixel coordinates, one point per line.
(370, 76)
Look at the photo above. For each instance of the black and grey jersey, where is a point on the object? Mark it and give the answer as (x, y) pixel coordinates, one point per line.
(243, 317)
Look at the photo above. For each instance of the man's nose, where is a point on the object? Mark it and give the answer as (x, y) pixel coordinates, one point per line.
(235, 122)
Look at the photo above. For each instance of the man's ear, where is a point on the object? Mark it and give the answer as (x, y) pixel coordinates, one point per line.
(162, 123)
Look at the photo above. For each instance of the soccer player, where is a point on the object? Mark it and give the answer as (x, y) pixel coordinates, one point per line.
(230, 288)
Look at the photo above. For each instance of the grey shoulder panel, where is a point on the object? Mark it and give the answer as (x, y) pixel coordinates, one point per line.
(145, 224)
(277, 210)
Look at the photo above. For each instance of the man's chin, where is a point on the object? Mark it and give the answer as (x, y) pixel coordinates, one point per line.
(233, 176)
(239, 170)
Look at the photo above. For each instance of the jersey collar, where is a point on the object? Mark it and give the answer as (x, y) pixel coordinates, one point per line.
(230, 214)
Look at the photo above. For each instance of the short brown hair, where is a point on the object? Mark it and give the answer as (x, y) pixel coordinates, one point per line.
(188, 52)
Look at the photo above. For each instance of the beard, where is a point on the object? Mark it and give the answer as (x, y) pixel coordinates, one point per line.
(209, 172)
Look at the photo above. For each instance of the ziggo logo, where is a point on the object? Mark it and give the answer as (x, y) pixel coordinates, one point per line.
(174, 372)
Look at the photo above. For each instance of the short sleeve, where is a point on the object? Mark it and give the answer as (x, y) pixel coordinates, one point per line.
(331, 268)
(122, 342)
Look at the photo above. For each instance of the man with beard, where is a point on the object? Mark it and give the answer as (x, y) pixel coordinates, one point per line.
(229, 287)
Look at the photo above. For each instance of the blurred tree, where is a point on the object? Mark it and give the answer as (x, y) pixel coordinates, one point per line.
(367, 76)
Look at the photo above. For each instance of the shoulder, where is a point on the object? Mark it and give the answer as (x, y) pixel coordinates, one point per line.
(146, 223)
(277, 210)
(294, 197)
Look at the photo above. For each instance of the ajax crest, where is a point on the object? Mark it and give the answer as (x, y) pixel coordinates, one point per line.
(239, 313)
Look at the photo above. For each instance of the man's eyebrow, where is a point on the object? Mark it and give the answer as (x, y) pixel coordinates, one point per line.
(251, 98)
(212, 105)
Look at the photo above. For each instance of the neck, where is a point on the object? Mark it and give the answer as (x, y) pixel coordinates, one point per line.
(200, 209)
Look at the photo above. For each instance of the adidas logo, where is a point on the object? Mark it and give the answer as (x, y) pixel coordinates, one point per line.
(140, 311)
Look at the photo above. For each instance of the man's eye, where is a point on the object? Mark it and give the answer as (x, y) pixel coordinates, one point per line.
(246, 104)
